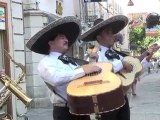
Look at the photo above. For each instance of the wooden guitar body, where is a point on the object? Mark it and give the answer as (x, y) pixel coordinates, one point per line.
(97, 93)
(128, 78)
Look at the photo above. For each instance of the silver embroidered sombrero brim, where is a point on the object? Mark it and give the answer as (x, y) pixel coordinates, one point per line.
(116, 23)
(70, 26)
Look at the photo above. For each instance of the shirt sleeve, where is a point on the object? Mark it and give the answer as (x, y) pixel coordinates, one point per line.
(145, 63)
(117, 64)
(58, 76)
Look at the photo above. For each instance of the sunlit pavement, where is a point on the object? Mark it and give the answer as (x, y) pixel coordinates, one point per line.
(146, 104)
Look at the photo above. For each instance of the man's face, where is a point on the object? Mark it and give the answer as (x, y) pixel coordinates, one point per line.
(106, 38)
(59, 44)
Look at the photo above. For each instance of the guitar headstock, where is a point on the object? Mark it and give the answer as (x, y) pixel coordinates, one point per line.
(153, 48)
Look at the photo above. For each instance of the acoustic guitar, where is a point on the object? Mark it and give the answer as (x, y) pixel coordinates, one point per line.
(128, 78)
(96, 92)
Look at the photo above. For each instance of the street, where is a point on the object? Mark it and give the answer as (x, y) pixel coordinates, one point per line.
(144, 106)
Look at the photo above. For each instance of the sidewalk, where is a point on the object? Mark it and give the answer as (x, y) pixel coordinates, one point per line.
(146, 104)
(39, 114)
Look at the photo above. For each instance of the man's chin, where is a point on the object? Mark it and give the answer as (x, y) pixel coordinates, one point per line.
(65, 50)
(112, 43)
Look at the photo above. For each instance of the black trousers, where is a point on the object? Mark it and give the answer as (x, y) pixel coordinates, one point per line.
(121, 114)
(62, 113)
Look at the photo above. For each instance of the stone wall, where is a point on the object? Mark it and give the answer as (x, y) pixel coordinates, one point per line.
(36, 89)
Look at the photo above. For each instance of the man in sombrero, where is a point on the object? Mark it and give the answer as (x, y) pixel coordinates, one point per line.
(103, 32)
(56, 69)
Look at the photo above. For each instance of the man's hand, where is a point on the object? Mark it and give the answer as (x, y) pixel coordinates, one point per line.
(153, 48)
(89, 68)
(127, 67)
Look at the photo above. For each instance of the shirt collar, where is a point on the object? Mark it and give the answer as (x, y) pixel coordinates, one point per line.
(55, 54)
(103, 49)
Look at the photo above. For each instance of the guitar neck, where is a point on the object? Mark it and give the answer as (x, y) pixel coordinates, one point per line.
(143, 55)
(153, 48)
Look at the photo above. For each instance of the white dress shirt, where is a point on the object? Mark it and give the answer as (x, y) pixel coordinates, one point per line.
(56, 73)
(117, 64)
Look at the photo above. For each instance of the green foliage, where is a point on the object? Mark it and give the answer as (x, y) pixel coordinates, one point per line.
(156, 55)
(137, 37)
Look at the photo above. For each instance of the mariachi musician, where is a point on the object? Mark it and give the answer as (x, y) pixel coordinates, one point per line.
(103, 32)
(56, 69)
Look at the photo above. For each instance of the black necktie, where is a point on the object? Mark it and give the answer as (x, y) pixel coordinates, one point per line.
(110, 54)
(67, 60)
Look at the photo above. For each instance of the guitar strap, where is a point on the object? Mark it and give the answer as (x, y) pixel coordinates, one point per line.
(52, 89)
(120, 53)
(141, 57)
(79, 62)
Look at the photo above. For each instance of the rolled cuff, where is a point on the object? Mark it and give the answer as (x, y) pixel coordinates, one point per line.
(79, 73)
(117, 66)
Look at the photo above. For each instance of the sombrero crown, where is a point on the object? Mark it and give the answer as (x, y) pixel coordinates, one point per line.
(116, 23)
(69, 26)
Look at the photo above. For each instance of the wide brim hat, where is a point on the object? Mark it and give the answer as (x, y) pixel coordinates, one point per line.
(69, 26)
(116, 23)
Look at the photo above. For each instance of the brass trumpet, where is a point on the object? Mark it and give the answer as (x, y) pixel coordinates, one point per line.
(15, 89)
(12, 86)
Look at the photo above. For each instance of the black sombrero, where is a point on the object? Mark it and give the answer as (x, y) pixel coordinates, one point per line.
(116, 23)
(70, 26)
